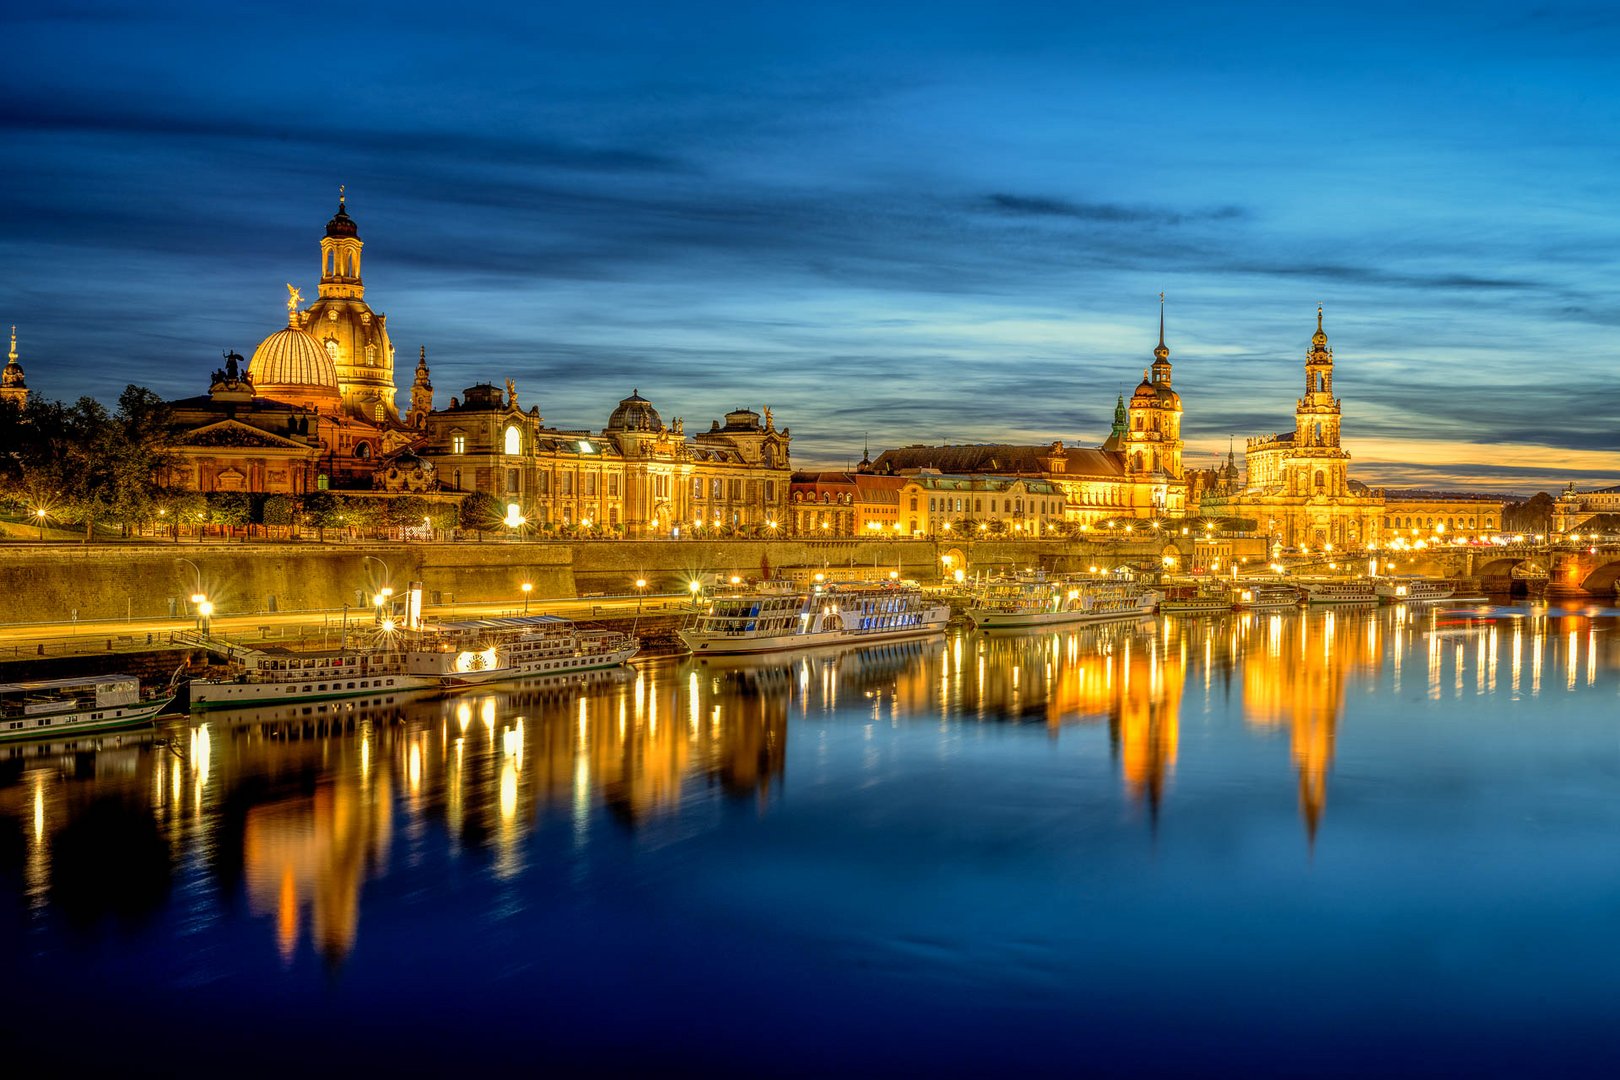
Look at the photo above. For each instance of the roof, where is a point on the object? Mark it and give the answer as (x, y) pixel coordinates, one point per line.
(1001, 459)
(937, 482)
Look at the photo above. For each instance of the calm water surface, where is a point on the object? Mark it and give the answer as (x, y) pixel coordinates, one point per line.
(1329, 841)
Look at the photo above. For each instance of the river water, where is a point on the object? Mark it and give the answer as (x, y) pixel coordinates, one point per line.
(1329, 841)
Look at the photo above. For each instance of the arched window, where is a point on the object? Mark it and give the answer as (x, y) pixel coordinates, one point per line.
(1138, 423)
(1321, 480)
(1319, 431)
(1136, 462)
(363, 451)
(514, 441)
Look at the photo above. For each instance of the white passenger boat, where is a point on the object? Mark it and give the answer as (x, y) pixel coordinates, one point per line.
(272, 677)
(1266, 596)
(1031, 600)
(1205, 598)
(1338, 591)
(61, 707)
(1413, 590)
(845, 613)
(494, 650)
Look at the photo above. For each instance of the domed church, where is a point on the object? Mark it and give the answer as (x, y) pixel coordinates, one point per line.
(315, 406)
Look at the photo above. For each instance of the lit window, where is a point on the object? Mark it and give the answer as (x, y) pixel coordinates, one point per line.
(458, 444)
(514, 441)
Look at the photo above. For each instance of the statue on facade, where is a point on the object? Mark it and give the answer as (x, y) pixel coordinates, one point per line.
(511, 394)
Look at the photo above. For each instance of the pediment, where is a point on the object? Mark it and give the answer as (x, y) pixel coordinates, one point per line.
(234, 433)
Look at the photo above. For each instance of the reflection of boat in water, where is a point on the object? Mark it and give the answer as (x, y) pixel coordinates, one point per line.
(886, 659)
(47, 707)
(496, 650)
(373, 706)
(1032, 600)
(839, 614)
(1413, 590)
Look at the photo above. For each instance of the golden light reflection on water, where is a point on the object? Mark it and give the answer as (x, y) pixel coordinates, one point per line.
(315, 794)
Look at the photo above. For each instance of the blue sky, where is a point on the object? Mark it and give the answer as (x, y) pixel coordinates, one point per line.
(923, 222)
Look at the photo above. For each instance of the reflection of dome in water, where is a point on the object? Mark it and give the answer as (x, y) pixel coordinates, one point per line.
(635, 413)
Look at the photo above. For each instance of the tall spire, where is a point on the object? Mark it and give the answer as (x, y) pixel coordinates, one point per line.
(13, 387)
(1161, 353)
(11, 357)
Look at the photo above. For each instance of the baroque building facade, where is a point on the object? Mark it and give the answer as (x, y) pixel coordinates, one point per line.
(1136, 473)
(1297, 487)
(637, 476)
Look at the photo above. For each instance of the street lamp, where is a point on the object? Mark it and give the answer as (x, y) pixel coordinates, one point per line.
(694, 587)
(641, 590)
(386, 590)
(41, 514)
(527, 587)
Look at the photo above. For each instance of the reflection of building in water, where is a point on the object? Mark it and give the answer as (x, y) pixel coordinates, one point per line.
(1146, 720)
(312, 853)
(1295, 670)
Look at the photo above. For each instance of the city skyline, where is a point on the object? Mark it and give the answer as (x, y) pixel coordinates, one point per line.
(976, 225)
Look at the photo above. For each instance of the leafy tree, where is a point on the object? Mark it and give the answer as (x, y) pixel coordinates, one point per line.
(443, 516)
(366, 515)
(406, 511)
(230, 508)
(322, 510)
(998, 527)
(278, 510)
(481, 511)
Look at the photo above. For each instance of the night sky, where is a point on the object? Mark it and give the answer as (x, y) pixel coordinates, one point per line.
(926, 222)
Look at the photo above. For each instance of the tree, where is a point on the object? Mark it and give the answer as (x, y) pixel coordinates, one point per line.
(481, 511)
(322, 510)
(232, 509)
(1533, 516)
(278, 510)
(366, 515)
(998, 527)
(406, 511)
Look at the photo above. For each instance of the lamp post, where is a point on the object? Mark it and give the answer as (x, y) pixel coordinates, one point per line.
(694, 587)
(199, 599)
(386, 590)
(527, 587)
(641, 590)
(41, 514)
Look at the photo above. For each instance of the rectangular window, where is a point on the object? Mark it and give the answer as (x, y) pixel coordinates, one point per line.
(613, 483)
(567, 483)
(514, 481)
(697, 489)
(590, 483)
(717, 489)
(770, 491)
(458, 444)
(736, 491)
(544, 480)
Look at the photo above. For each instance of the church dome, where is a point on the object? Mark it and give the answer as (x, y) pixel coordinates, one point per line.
(635, 413)
(291, 362)
(1146, 394)
(342, 224)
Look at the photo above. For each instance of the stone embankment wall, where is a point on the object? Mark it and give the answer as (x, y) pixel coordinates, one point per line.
(154, 581)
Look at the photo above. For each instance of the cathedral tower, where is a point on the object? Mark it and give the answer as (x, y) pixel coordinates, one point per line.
(12, 386)
(355, 337)
(421, 394)
(1316, 420)
(1152, 440)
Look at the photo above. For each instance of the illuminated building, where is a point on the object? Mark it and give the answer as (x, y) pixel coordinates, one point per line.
(1573, 509)
(13, 387)
(1297, 487)
(638, 475)
(1135, 473)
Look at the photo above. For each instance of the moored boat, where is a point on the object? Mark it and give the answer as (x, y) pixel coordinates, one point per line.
(1413, 590)
(495, 650)
(1266, 596)
(1032, 600)
(1203, 598)
(59, 707)
(273, 677)
(767, 620)
(1338, 591)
